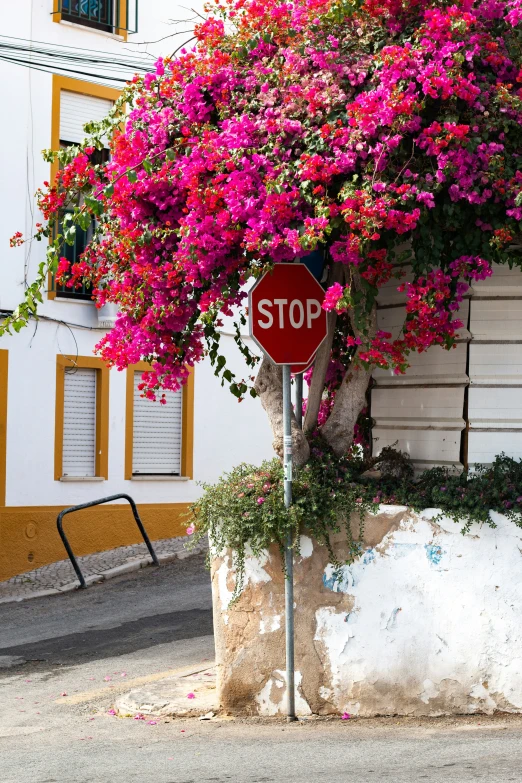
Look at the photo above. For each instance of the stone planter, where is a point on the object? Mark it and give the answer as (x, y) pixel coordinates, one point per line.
(426, 622)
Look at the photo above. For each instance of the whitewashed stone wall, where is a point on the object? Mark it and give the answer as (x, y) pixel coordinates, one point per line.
(426, 622)
(458, 407)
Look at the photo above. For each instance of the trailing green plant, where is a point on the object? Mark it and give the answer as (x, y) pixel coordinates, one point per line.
(245, 512)
(466, 497)
(245, 509)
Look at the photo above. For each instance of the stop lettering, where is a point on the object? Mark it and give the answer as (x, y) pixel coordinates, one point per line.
(287, 320)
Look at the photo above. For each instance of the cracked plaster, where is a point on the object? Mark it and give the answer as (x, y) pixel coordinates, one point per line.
(425, 622)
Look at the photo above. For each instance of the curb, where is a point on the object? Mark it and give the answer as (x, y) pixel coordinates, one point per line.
(102, 576)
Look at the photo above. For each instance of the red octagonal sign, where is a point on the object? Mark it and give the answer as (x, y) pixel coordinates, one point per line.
(287, 320)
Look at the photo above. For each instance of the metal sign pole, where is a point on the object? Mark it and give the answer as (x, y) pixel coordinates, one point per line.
(289, 554)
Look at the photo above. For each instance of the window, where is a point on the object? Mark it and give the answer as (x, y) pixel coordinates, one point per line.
(110, 16)
(74, 104)
(158, 437)
(82, 407)
(3, 423)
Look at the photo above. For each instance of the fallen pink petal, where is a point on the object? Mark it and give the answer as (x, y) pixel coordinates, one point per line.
(345, 716)
(152, 722)
(191, 695)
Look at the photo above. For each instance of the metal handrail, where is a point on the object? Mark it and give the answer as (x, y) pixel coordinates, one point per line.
(72, 558)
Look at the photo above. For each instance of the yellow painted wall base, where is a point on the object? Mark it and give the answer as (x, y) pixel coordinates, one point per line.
(29, 538)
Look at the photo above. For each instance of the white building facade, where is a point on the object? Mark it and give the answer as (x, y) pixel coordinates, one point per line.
(71, 430)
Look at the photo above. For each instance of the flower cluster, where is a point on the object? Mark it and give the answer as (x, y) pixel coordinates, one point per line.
(365, 126)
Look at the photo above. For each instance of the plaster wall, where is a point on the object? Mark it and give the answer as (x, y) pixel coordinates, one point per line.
(426, 622)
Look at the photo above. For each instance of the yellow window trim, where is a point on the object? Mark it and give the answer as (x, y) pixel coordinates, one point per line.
(102, 411)
(187, 422)
(70, 85)
(121, 31)
(4, 364)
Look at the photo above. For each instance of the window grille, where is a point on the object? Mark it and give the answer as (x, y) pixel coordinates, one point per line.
(75, 110)
(109, 16)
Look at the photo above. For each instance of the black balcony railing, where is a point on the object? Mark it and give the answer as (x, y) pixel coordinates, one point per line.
(72, 253)
(108, 15)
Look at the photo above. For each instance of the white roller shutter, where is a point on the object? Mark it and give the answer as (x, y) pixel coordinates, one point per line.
(75, 110)
(157, 433)
(79, 423)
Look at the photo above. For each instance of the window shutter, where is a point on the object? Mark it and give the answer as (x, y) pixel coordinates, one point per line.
(75, 110)
(79, 423)
(157, 433)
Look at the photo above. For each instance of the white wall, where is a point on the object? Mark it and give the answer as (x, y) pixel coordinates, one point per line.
(474, 387)
(226, 432)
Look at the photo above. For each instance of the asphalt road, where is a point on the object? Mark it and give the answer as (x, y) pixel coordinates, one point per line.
(90, 645)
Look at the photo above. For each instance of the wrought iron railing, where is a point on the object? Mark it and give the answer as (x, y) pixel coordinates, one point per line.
(108, 15)
(72, 253)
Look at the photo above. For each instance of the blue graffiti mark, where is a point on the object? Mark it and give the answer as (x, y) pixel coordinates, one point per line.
(329, 582)
(434, 553)
(339, 580)
(393, 617)
(402, 550)
(369, 556)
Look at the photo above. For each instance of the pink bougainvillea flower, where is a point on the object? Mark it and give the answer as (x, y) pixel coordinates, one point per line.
(190, 530)
(230, 162)
(345, 716)
(260, 501)
(191, 695)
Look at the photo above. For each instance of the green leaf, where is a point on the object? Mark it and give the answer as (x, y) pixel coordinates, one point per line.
(132, 176)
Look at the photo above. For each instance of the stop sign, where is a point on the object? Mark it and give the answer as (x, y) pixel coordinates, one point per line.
(287, 320)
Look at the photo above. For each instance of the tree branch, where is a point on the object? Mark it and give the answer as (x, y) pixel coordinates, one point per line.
(269, 386)
(322, 360)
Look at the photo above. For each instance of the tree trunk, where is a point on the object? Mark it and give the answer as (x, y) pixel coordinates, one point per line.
(269, 386)
(350, 398)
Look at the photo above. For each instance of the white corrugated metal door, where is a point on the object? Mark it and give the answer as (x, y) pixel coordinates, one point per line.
(157, 433)
(75, 110)
(79, 423)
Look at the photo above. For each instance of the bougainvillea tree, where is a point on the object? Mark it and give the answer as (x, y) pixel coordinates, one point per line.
(385, 133)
